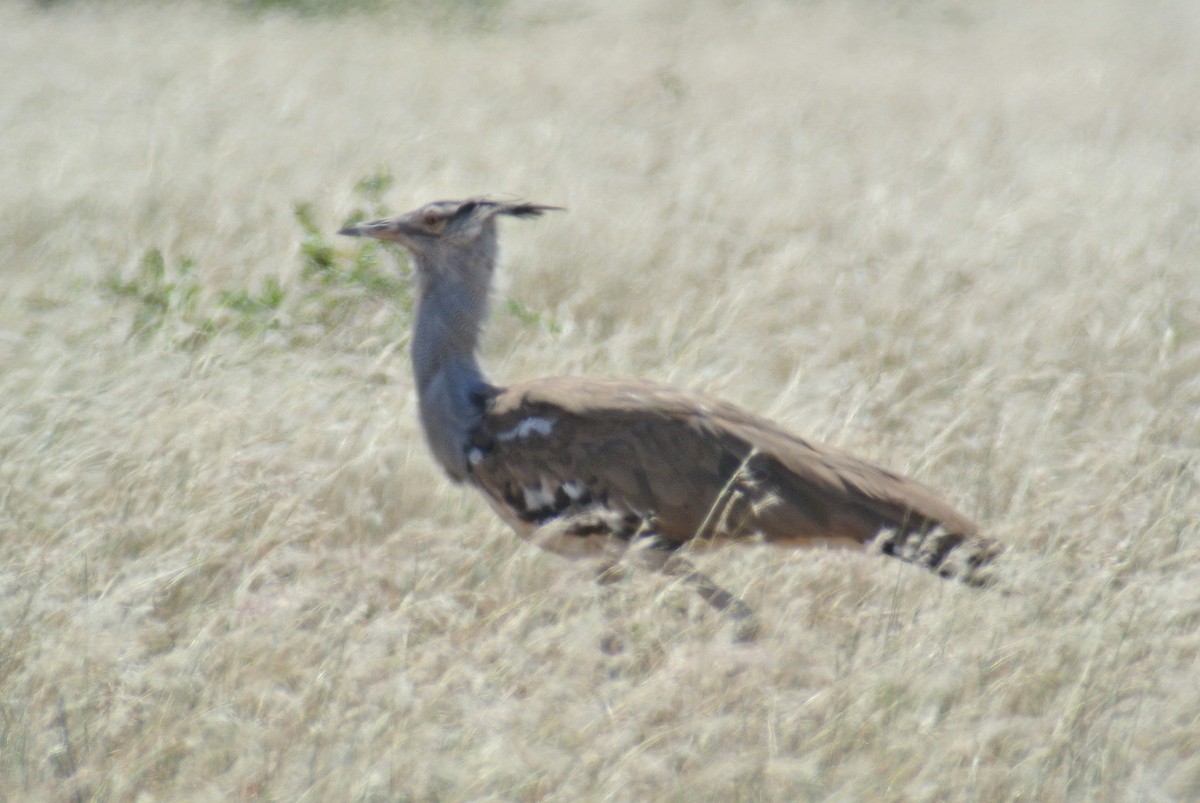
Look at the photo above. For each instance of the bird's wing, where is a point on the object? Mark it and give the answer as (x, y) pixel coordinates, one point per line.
(689, 467)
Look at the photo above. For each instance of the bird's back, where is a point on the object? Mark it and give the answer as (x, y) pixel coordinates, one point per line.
(690, 468)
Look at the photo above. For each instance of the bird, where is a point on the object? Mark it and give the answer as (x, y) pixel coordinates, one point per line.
(610, 468)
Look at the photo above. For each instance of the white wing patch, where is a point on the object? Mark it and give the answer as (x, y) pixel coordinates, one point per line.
(538, 498)
(528, 426)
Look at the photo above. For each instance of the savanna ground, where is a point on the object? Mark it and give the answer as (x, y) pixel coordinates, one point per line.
(960, 239)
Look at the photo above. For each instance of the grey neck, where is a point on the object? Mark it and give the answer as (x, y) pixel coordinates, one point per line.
(451, 306)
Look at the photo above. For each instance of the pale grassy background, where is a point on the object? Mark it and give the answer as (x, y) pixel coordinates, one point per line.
(962, 242)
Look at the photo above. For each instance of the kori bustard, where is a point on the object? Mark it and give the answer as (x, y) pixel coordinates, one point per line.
(587, 467)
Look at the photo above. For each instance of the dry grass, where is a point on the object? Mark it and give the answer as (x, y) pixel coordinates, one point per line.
(961, 242)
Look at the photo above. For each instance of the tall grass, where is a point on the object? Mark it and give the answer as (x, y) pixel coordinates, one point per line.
(959, 240)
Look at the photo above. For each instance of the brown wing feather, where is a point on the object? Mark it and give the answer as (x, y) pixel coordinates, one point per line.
(700, 468)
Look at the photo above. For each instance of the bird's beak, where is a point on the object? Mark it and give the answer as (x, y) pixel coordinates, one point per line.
(393, 230)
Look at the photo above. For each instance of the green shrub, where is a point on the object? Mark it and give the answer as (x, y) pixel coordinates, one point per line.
(342, 284)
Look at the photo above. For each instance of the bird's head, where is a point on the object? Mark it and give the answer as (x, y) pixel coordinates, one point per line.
(444, 227)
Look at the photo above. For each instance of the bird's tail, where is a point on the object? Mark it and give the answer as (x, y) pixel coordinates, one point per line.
(966, 558)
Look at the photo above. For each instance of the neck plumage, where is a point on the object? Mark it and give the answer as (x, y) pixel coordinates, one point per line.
(451, 306)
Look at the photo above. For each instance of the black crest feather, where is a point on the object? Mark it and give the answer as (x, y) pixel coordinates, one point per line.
(527, 210)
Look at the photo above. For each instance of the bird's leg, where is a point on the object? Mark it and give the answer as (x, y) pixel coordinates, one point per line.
(651, 550)
(663, 556)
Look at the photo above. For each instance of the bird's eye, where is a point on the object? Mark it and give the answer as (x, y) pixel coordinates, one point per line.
(430, 221)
